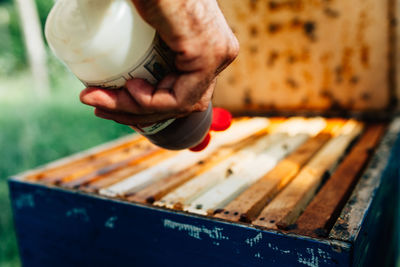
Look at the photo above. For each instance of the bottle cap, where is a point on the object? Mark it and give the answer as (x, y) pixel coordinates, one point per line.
(221, 121)
(202, 145)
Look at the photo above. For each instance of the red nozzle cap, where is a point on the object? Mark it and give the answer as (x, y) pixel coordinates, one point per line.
(221, 120)
(203, 144)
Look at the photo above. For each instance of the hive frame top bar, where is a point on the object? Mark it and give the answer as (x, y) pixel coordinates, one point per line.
(350, 220)
(79, 155)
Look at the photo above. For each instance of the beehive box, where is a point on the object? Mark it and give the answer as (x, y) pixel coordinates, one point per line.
(270, 191)
(249, 199)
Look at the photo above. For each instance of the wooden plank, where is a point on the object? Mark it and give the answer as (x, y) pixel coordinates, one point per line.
(115, 160)
(104, 171)
(287, 206)
(250, 203)
(307, 55)
(81, 167)
(108, 179)
(350, 221)
(223, 193)
(81, 158)
(159, 189)
(299, 131)
(202, 183)
(184, 159)
(87, 168)
(322, 212)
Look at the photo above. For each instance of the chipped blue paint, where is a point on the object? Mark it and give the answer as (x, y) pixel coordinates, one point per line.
(195, 231)
(149, 236)
(255, 240)
(78, 213)
(24, 201)
(258, 255)
(309, 259)
(110, 222)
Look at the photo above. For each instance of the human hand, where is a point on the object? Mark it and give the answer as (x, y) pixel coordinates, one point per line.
(204, 45)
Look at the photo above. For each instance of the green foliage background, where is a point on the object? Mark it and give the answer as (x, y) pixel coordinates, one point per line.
(32, 131)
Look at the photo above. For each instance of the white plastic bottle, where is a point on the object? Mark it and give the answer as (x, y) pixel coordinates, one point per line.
(105, 43)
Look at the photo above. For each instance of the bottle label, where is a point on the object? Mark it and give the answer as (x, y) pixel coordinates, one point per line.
(153, 128)
(154, 65)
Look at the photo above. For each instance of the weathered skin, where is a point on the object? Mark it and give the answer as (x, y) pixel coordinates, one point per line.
(197, 31)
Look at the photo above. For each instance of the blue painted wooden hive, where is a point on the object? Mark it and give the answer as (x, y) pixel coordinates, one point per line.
(267, 192)
(131, 203)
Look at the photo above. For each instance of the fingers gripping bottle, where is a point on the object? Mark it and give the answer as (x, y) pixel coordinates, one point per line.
(105, 43)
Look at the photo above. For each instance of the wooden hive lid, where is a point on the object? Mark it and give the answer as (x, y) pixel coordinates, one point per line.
(309, 55)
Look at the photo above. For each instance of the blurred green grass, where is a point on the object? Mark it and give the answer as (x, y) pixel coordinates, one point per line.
(37, 131)
(34, 132)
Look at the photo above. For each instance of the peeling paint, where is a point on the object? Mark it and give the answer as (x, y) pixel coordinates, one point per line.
(25, 201)
(78, 213)
(110, 223)
(196, 231)
(258, 255)
(276, 248)
(309, 260)
(324, 256)
(273, 247)
(254, 240)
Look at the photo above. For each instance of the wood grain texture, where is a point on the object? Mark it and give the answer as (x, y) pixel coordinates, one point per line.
(297, 130)
(200, 184)
(287, 206)
(108, 179)
(250, 203)
(195, 187)
(307, 55)
(116, 159)
(159, 189)
(80, 159)
(322, 212)
(185, 158)
(98, 161)
(351, 218)
(106, 170)
(220, 195)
